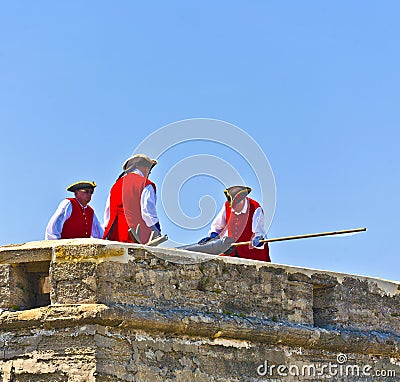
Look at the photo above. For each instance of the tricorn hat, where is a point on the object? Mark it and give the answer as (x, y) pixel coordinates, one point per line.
(236, 193)
(83, 184)
(139, 159)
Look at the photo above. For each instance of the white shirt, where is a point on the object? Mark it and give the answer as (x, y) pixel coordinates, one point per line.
(257, 224)
(148, 201)
(63, 212)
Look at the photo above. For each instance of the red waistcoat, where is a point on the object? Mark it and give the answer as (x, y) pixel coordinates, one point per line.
(79, 224)
(125, 209)
(240, 229)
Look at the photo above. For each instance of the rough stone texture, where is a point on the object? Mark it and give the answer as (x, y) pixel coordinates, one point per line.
(21, 285)
(73, 282)
(212, 286)
(126, 343)
(355, 299)
(5, 293)
(14, 287)
(133, 313)
(62, 250)
(222, 285)
(26, 252)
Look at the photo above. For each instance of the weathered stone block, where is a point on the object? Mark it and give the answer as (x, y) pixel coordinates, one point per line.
(5, 293)
(72, 283)
(209, 286)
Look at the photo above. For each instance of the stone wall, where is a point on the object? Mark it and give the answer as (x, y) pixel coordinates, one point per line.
(114, 312)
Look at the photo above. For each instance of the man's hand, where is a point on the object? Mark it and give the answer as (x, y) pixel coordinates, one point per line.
(156, 227)
(256, 241)
(204, 240)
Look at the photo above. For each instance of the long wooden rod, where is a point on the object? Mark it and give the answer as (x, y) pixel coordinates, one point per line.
(306, 236)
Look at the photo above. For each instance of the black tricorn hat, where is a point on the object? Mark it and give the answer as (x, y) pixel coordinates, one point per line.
(83, 184)
(236, 193)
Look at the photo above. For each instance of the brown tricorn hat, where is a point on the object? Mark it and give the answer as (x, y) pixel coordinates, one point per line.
(236, 193)
(138, 160)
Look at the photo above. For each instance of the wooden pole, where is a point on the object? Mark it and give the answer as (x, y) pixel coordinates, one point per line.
(306, 236)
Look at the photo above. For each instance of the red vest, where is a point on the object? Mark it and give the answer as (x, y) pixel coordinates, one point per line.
(125, 209)
(79, 224)
(240, 229)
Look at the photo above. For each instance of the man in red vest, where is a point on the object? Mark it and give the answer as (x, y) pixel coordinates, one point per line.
(242, 219)
(74, 218)
(132, 202)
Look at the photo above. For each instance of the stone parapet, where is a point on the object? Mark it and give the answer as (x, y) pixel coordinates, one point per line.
(88, 271)
(109, 311)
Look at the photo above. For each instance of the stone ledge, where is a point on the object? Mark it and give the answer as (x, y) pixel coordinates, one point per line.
(97, 250)
(217, 329)
(64, 250)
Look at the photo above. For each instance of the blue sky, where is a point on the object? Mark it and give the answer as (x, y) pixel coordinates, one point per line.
(315, 84)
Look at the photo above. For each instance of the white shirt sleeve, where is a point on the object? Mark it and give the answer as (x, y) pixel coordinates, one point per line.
(148, 205)
(219, 222)
(56, 223)
(106, 216)
(97, 229)
(258, 225)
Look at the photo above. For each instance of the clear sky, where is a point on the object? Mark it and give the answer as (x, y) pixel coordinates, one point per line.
(314, 83)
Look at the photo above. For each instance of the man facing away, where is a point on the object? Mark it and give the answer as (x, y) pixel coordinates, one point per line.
(132, 202)
(74, 218)
(242, 219)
